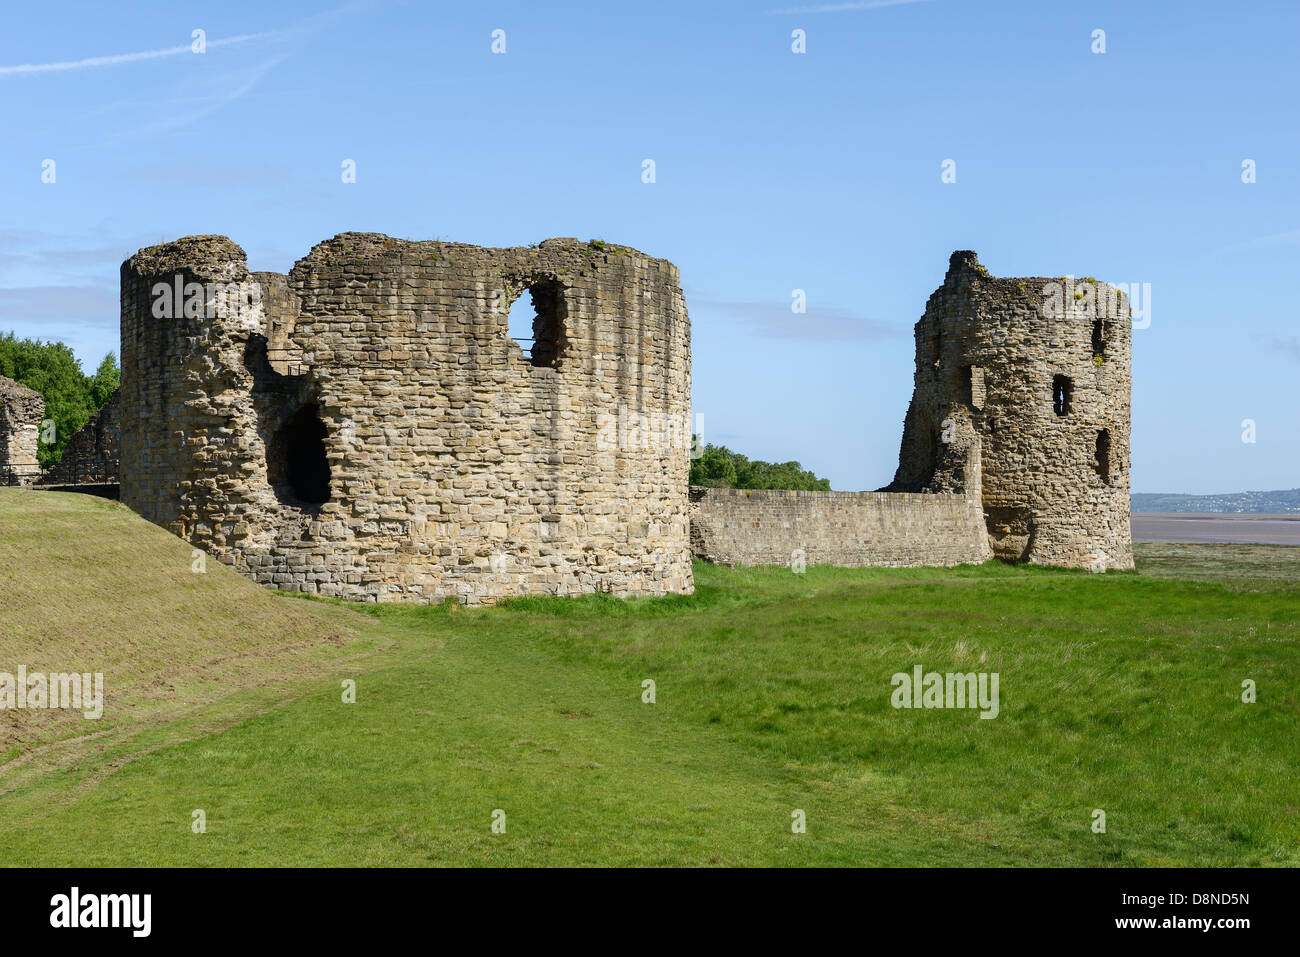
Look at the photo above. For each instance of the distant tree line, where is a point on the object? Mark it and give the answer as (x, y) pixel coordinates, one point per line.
(719, 467)
(71, 396)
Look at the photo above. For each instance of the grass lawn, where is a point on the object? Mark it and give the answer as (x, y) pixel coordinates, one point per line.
(1119, 692)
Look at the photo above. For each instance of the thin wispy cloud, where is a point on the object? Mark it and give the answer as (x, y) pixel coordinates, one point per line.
(117, 58)
(1291, 236)
(63, 287)
(1273, 241)
(88, 303)
(248, 80)
(63, 261)
(34, 257)
(1289, 347)
(844, 7)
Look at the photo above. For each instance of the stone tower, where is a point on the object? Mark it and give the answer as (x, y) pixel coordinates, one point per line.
(366, 427)
(21, 412)
(1022, 396)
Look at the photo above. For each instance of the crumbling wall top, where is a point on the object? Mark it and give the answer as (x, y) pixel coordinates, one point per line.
(188, 252)
(966, 271)
(19, 398)
(362, 247)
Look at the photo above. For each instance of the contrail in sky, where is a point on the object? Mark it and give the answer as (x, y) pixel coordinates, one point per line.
(126, 57)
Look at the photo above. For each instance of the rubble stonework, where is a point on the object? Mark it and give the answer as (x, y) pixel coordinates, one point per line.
(1027, 383)
(772, 527)
(1015, 444)
(365, 427)
(21, 412)
(91, 455)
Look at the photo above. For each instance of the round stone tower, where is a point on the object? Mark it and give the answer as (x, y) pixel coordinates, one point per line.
(1022, 397)
(367, 427)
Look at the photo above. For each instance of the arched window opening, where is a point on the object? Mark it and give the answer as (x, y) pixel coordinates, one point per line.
(536, 323)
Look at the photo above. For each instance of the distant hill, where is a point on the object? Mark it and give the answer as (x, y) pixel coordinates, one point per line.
(1284, 500)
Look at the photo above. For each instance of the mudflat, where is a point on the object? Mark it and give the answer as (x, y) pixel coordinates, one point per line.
(1207, 527)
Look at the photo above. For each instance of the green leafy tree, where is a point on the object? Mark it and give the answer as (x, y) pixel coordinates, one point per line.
(719, 467)
(71, 397)
(714, 468)
(105, 381)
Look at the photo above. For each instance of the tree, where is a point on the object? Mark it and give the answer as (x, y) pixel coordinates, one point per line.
(105, 381)
(715, 468)
(719, 467)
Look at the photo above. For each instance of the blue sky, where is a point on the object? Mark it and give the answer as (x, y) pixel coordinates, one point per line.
(775, 171)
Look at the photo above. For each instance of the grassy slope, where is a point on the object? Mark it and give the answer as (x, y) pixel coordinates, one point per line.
(87, 586)
(1118, 692)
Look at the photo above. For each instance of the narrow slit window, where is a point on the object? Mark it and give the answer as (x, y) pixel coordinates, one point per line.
(1100, 334)
(1062, 393)
(1103, 455)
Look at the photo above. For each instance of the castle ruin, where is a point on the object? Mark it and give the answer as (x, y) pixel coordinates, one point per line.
(1021, 398)
(1015, 443)
(365, 427)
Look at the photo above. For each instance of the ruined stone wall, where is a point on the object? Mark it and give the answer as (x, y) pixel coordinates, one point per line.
(1034, 373)
(365, 427)
(21, 412)
(91, 455)
(1015, 444)
(768, 527)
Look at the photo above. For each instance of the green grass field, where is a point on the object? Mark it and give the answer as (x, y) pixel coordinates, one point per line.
(1119, 692)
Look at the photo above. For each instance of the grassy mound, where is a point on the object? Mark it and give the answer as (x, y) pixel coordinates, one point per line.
(89, 586)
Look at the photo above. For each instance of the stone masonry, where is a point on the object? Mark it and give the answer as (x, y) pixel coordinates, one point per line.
(91, 455)
(21, 412)
(1022, 398)
(1015, 444)
(899, 529)
(365, 427)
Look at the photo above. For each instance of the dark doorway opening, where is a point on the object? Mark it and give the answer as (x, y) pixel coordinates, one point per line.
(296, 462)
